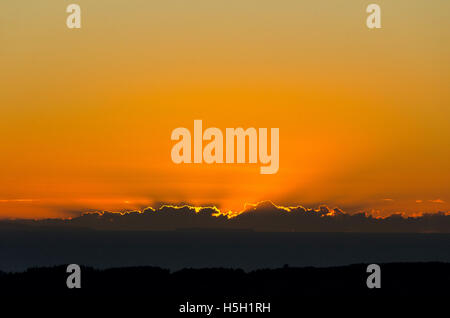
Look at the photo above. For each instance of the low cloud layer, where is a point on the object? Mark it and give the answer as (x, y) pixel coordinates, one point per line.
(264, 216)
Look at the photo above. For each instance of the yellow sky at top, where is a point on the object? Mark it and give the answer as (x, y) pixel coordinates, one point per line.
(86, 115)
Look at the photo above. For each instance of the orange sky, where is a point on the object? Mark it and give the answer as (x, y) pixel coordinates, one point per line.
(87, 114)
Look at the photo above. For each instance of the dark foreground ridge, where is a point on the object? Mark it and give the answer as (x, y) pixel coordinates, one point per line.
(397, 279)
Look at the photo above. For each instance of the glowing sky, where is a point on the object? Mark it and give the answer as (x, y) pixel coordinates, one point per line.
(86, 115)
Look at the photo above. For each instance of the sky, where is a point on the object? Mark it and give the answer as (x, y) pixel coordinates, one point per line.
(86, 115)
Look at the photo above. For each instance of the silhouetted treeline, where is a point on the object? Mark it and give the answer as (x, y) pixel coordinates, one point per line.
(397, 279)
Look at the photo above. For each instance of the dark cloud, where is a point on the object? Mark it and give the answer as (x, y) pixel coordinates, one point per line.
(264, 216)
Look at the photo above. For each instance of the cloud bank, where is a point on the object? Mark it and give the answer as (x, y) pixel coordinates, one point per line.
(263, 216)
